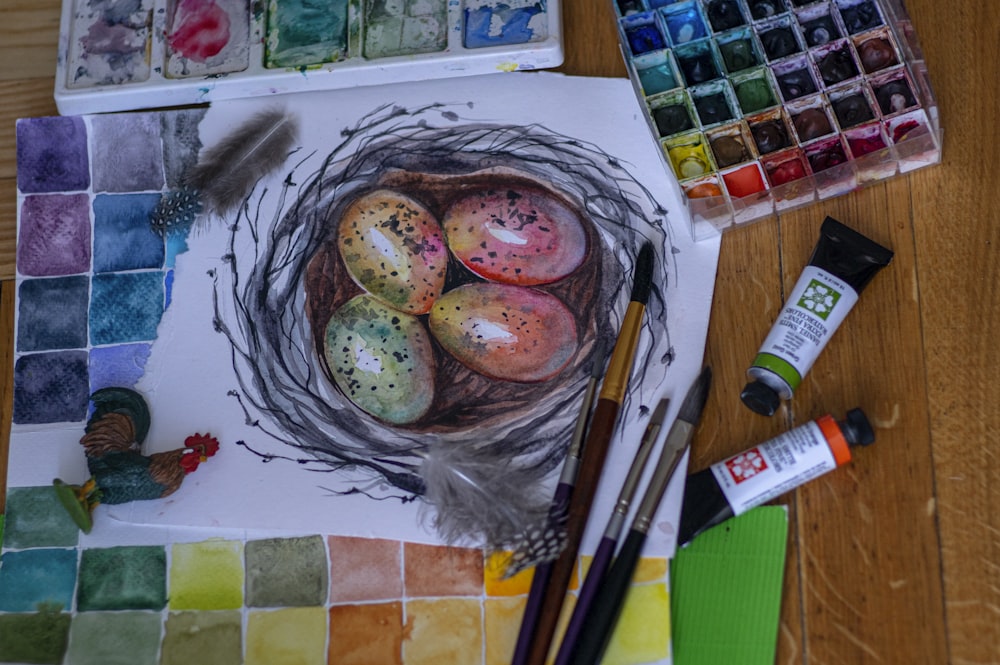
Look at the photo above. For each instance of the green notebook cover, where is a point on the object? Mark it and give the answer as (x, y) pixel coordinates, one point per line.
(726, 591)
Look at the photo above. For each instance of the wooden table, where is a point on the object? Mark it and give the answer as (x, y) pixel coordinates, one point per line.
(896, 558)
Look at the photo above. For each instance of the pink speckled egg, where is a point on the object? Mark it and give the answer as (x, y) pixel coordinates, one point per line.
(512, 333)
(394, 249)
(515, 235)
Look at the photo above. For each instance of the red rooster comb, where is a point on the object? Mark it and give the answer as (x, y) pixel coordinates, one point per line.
(200, 448)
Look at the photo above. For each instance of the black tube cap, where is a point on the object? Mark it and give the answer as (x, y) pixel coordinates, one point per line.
(857, 429)
(760, 398)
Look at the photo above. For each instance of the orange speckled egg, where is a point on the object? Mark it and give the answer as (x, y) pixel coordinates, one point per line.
(394, 249)
(507, 332)
(516, 235)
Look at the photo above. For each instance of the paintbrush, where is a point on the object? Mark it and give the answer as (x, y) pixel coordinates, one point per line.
(600, 622)
(551, 542)
(609, 541)
(595, 450)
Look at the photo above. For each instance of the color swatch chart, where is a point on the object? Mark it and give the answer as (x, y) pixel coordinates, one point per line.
(764, 105)
(153, 53)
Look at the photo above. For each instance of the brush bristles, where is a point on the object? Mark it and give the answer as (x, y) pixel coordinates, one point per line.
(694, 402)
(643, 279)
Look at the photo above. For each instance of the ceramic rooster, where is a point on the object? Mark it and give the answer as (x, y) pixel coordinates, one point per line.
(120, 473)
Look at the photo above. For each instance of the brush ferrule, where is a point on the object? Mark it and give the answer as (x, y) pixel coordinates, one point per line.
(620, 365)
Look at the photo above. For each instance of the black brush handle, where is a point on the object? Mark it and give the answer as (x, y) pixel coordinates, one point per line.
(600, 622)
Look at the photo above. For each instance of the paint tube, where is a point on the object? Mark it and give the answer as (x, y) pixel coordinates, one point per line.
(755, 476)
(842, 264)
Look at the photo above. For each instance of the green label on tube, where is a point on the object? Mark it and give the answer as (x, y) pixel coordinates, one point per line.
(780, 367)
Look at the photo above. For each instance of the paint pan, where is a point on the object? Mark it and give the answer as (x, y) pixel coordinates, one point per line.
(821, 72)
(157, 53)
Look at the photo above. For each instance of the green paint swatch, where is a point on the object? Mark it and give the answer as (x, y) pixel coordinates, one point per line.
(35, 518)
(203, 637)
(287, 572)
(33, 638)
(726, 591)
(115, 638)
(206, 575)
(123, 578)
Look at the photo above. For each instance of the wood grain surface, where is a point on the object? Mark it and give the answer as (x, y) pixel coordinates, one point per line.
(895, 558)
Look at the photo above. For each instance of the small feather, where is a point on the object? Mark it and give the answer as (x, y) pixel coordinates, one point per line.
(474, 492)
(228, 171)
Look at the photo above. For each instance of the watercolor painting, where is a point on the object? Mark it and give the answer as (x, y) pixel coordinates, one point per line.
(116, 56)
(236, 324)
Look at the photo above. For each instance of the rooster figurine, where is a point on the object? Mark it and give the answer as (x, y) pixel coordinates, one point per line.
(120, 473)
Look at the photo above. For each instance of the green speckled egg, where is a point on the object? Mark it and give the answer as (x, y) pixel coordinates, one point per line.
(507, 332)
(381, 359)
(394, 249)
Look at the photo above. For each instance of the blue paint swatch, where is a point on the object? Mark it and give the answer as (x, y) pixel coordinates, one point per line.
(123, 239)
(51, 388)
(52, 314)
(123, 578)
(120, 365)
(125, 307)
(35, 518)
(52, 155)
(39, 579)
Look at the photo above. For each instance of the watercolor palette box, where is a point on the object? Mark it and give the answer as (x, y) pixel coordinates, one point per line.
(159, 53)
(761, 106)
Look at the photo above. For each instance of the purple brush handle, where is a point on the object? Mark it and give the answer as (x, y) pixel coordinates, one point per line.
(595, 575)
(540, 580)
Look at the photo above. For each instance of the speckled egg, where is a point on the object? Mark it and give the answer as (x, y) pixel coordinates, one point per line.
(394, 249)
(506, 332)
(516, 235)
(381, 359)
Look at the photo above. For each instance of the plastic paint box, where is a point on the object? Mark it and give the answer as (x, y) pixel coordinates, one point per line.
(761, 106)
(157, 53)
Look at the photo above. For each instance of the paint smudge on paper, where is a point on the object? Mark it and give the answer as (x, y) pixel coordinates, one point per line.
(109, 43)
(489, 23)
(208, 37)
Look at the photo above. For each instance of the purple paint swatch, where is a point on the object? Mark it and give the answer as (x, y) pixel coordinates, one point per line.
(51, 388)
(120, 365)
(128, 156)
(52, 314)
(52, 155)
(54, 235)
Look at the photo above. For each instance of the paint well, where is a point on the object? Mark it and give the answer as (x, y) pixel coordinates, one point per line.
(207, 37)
(489, 23)
(405, 27)
(301, 33)
(109, 43)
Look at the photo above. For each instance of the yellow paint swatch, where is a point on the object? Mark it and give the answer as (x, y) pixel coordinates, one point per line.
(292, 636)
(643, 631)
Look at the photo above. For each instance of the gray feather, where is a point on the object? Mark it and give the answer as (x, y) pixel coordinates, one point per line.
(227, 172)
(472, 492)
